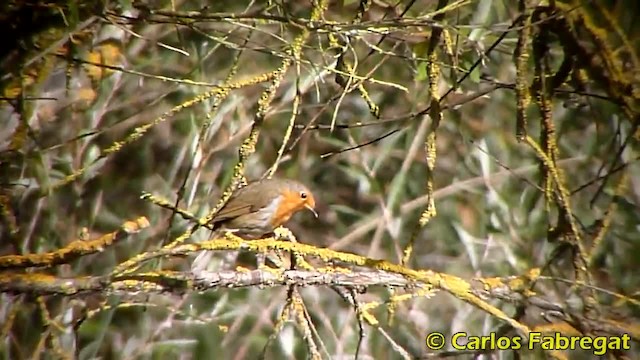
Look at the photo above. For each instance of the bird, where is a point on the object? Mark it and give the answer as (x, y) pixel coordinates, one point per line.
(257, 209)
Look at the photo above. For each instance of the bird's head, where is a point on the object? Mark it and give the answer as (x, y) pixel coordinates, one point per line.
(294, 197)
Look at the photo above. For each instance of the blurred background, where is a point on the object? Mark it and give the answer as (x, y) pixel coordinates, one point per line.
(189, 76)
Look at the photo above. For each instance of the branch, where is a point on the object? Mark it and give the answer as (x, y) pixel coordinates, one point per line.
(75, 249)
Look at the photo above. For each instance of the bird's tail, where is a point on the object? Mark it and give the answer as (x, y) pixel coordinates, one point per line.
(202, 261)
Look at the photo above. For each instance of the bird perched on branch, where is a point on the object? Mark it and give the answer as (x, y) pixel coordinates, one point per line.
(257, 209)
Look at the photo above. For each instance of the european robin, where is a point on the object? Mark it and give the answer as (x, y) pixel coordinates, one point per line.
(258, 209)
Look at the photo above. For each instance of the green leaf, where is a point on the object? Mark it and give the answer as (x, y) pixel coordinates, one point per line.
(422, 71)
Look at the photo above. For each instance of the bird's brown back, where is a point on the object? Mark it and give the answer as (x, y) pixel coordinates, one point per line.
(252, 198)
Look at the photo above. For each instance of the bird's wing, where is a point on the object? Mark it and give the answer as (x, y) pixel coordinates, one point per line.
(227, 213)
(244, 201)
(232, 210)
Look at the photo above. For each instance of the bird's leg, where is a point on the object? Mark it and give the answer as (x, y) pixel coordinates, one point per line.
(282, 233)
(263, 258)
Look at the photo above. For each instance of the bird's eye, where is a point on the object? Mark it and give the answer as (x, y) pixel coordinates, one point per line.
(303, 195)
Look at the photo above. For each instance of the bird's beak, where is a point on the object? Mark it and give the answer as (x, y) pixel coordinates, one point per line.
(310, 208)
